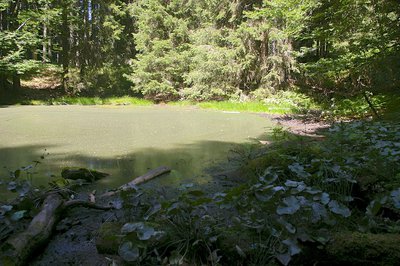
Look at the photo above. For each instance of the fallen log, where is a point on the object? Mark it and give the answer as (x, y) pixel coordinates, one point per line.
(17, 249)
(147, 176)
(141, 179)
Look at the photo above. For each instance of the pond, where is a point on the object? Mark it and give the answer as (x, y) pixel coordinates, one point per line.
(123, 141)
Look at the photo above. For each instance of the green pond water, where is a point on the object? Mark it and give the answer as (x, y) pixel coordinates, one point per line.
(123, 141)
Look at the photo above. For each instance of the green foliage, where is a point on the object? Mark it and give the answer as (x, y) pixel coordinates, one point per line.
(101, 81)
(205, 50)
(298, 191)
(125, 100)
(352, 44)
(203, 58)
(20, 182)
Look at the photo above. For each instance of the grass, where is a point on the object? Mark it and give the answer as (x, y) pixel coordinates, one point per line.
(125, 100)
(252, 106)
(287, 102)
(236, 106)
(258, 107)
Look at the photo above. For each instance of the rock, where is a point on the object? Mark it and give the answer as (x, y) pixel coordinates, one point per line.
(82, 173)
(109, 238)
(353, 248)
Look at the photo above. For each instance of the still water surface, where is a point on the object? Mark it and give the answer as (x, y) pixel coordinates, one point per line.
(122, 141)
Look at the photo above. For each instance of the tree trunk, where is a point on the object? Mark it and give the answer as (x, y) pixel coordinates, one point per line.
(65, 44)
(44, 48)
(3, 82)
(16, 82)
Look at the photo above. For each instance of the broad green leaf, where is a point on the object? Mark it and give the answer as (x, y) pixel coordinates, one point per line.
(292, 245)
(312, 191)
(291, 183)
(293, 205)
(395, 194)
(373, 208)
(18, 215)
(12, 186)
(145, 233)
(131, 227)
(338, 208)
(278, 188)
(288, 226)
(325, 198)
(284, 258)
(319, 212)
(263, 197)
(153, 210)
(6, 208)
(298, 169)
(128, 252)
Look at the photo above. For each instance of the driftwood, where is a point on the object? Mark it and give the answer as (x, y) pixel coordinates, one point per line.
(18, 248)
(141, 179)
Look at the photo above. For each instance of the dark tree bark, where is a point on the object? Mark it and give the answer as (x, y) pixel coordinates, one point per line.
(16, 82)
(65, 43)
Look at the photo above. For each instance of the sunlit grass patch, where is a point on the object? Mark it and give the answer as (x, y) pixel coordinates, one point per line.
(126, 100)
(76, 101)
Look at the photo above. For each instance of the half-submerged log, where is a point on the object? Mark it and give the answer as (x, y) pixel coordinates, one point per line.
(141, 179)
(82, 173)
(146, 177)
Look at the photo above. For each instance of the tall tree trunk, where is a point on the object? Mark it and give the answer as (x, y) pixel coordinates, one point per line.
(16, 83)
(45, 43)
(49, 45)
(3, 82)
(65, 44)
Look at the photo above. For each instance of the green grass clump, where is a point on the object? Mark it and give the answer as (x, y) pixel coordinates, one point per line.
(283, 102)
(235, 106)
(76, 101)
(127, 100)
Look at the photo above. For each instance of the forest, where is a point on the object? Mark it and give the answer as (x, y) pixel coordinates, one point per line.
(297, 163)
(203, 50)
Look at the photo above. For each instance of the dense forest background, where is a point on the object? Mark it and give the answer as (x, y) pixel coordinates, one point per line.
(203, 50)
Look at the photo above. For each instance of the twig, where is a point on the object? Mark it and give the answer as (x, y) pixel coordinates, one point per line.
(86, 204)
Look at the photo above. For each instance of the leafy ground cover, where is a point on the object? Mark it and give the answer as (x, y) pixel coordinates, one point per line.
(296, 201)
(293, 195)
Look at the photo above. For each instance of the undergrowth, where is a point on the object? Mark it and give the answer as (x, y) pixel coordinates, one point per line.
(298, 193)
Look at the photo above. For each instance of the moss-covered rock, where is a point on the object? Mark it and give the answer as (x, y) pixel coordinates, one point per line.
(88, 175)
(354, 248)
(109, 238)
